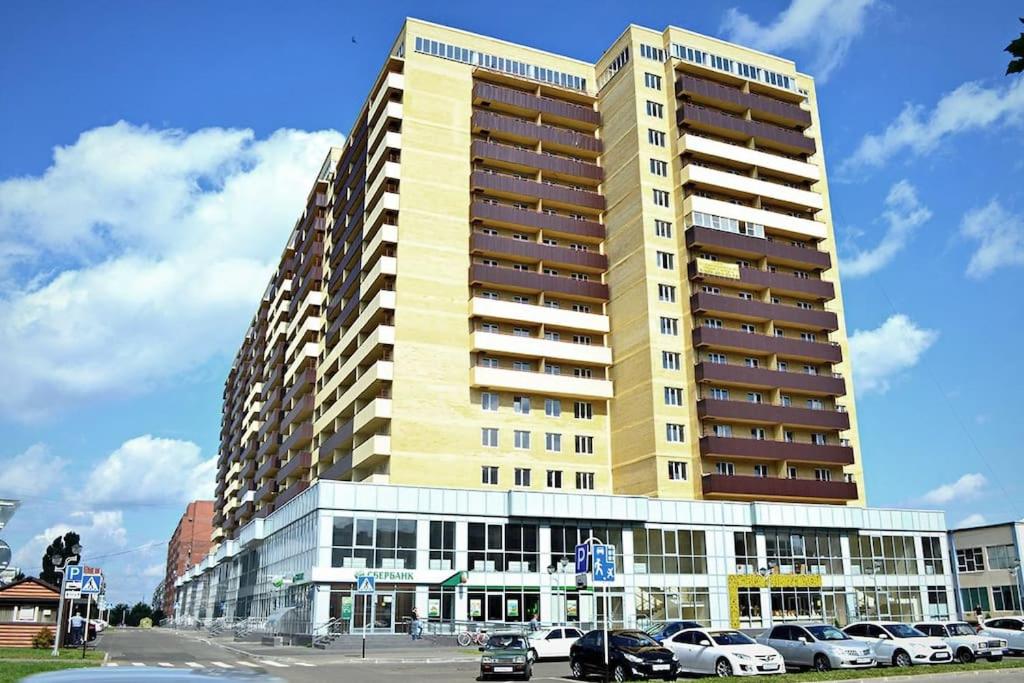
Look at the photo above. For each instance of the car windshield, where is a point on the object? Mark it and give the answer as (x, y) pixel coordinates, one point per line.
(500, 642)
(827, 633)
(655, 627)
(903, 631)
(633, 639)
(731, 638)
(960, 629)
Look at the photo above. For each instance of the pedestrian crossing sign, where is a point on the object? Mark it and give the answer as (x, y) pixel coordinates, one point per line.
(366, 585)
(91, 584)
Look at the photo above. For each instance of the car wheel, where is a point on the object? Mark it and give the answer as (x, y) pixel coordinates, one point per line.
(577, 670)
(723, 669)
(618, 673)
(533, 655)
(528, 673)
(901, 659)
(964, 655)
(822, 663)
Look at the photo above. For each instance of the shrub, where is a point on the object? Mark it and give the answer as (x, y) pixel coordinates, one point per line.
(43, 639)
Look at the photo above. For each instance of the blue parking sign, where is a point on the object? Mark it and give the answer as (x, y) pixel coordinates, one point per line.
(582, 557)
(73, 573)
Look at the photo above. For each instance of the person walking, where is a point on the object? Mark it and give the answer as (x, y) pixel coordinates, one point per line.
(415, 629)
(77, 627)
(535, 622)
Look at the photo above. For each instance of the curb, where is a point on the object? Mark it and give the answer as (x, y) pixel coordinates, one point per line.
(937, 675)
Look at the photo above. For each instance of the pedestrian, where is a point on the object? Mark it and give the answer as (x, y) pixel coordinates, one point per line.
(535, 622)
(415, 627)
(77, 626)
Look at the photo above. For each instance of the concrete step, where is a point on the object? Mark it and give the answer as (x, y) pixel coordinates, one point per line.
(352, 641)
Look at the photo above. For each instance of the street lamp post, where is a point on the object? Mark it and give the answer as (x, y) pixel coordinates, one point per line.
(767, 576)
(58, 560)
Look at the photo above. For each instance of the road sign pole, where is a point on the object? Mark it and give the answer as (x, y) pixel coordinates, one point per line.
(607, 673)
(366, 604)
(60, 616)
(85, 633)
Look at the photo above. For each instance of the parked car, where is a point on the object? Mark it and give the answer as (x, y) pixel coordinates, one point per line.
(660, 630)
(553, 643)
(631, 654)
(965, 642)
(896, 644)
(818, 646)
(1010, 629)
(506, 654)
(723, 652)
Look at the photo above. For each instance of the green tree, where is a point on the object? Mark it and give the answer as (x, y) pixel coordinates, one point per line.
(1016, 50)
(119, 614)
(140, 611)
(60, 546)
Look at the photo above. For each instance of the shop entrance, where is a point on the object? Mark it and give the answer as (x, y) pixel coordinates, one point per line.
(376, 612)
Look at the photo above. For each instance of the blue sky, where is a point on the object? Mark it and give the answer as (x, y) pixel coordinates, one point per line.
(154, 155)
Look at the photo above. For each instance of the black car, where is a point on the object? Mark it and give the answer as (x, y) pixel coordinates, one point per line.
(660, 630)
(631, 654)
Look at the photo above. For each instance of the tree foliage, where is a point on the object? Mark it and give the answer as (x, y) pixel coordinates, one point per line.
(1016, 50)
(60, 546)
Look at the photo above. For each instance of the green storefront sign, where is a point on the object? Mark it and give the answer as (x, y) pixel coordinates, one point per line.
(346, 607)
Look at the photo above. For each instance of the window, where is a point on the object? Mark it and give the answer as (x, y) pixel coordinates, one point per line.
(521, 404)
(554, 479)
(713, 323)
(761, 471)
(550, 242)
(553, 442)
(489, 437)
(551, 304)
(792, 473)
(651, 52)
(665, 260)
(652, 81)
(442, 545)
(489, 295)
(1006, 598)
(970, 560)
(522, 476)
(670, 360)
(726, 468)
(584, 445)
(550, 271)
(822, 474)
(521, 439)
(751, 362)
(583, 339)
(488, 262)
(581, 308)
(1000, 557)
(719, 394)
(719, 358)
(520, 332)
(974, 598)
(655, 109)
(552, 336)
(583, 410)
(757, 433)
(489, 327)
(489, 475)
(488, 401)
(552, 369)
(810, 370)
(654, 137)
(815, 404)
(522, 366)
(807, 336)
(662, 228)
(582, 372)
(660, 197)
(746, 296)
(660, 168)
(932, 548)
(673, 396)
(723, 430)
(754, 397)
(670, 326)
(676, 470)
(520, 299)
(585, 481)
(748, 328)
(489, 362)
(819, 439)
(553, 407)
(669, 551)
(667, 293)
(674, 433)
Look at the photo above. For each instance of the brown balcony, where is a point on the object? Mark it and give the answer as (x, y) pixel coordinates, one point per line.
(244, 511)
(763, 449)
(248, 469)
(513, 156)
(297, 465)
(528, 281)
(342, 437)
(723, 485)
(779, 283)
(511, 217)
(535, 252)
(301, 410)
(269, 445)
(737, 340)
(760, 311)
(298, 438)
(289, 493)
(301, 381)
(264, 510)
(529, 132)
(266, 491)
(268, 468)
(767, 413)
(726, 97)
(727, 125)
(763, 378)
(531, 190)
(524, 102)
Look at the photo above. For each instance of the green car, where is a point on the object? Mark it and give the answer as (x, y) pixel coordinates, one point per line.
(506, 654)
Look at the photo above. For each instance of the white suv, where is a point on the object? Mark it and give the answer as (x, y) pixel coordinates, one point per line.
(1010, 629)
(897, 644)
(966, 644)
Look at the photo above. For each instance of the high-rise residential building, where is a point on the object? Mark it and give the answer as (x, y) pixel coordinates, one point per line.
(188, 546)
(524, 275)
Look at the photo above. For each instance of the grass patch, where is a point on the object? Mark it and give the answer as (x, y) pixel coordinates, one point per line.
(34, 653)
(878, 672)
(11, 671)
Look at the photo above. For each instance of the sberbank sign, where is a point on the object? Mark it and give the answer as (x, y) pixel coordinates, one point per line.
(387, 575)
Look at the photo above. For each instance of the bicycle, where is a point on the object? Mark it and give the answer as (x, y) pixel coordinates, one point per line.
(475, 637)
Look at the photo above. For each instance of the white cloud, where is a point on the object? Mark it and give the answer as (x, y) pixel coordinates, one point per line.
(100, 531)
(158, 570)
(903, 214)
(147, 470)
(881, 354)
(967, 487)
(826, 28)
(974, 519)
(969, 107)
(31, 472)
(1000, 237)
(140, 254)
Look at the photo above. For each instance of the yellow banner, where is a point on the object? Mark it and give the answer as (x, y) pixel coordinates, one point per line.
(718, 269)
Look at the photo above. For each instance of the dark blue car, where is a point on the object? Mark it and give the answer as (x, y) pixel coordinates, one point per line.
(660, 630)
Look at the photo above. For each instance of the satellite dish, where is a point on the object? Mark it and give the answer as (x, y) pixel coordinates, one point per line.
(5, 555)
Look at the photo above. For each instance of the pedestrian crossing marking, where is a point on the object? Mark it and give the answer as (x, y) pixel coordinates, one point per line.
(222, 665)
(255, 666)
(277, 664)
(304, 664)
(138, 664)
(195, 665)
(112, 664)
(167, 665)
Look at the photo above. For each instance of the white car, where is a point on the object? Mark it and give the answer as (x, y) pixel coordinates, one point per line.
(896, 644)
(1010, 629)
(723, 652)
(553, 643)
(965, 642)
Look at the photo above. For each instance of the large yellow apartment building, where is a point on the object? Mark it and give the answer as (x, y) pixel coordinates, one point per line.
(525, 271)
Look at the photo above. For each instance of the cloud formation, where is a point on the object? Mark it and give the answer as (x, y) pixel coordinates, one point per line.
(32, 472)
(140, 254)
(974, 519)
(824, 28)
(967, 487)
(970, 107)
(882, 354)
(903, 214)
(148, 470)
(999, 235)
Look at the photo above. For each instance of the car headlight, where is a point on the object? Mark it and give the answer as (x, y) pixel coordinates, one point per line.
(519, 659)
(488, 660)
(740, 655)
(632, 658)
(674, 658)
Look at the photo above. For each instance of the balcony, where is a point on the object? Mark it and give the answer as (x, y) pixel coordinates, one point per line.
(749, 247)
(703, 147)
(774, 488)
(763, 378)
(528, 103)
(371, 451)
(529, 281)
(297, 465)
(540, 383)
(501, 215)
(530, 160)
(779, 451)
(767, 413)
(802, 200)
(522, 130)
(514, 345)
(300, 411)
(760, 311)
(704, 90)
(290, 493)
(542, 315)
(268, 468)
(796, 226)
(266, 491)
(531, 190)
(702, 270)
(298, 438)
(730, 126)
(737, 340)
(535, 252)
(300, 383)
